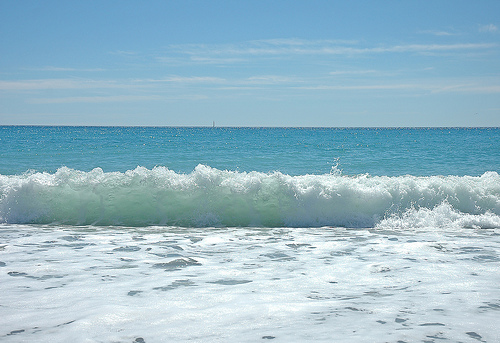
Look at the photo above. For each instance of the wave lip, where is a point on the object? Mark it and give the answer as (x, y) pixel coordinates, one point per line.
(211, 197)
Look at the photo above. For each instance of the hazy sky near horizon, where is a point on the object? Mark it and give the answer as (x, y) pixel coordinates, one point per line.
(250, 63)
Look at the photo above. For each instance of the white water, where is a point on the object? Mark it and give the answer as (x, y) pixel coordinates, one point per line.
(211, 197)
(170, 284)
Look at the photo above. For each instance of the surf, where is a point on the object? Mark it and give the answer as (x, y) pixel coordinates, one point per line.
(208, 197)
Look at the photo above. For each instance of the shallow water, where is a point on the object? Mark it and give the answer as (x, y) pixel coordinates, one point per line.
(118, 284)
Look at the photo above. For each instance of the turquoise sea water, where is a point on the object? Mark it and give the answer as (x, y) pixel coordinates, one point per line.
(293, 151)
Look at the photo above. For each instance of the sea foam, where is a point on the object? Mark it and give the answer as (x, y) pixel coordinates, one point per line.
(212, 197)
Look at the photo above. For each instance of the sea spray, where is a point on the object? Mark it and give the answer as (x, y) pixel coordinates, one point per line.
(212, 197)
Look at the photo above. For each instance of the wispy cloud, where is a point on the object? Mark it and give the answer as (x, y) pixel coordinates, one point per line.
(94, 99)
(437, 33)
(451, 86)
(352, 72)
(40, 84)
(219, 81)
(271, 79)
(488, 28)
(289, 48)
(260, 47)
(302, 42)
(64, 69)
(422, 48)
(123, 52)
(397, 86)
(189, 79)
(193, 59)
(473, 88)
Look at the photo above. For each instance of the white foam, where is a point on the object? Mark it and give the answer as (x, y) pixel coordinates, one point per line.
(174, 284)
(443, 216)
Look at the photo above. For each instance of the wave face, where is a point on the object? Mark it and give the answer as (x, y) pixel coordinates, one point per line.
(211, 197)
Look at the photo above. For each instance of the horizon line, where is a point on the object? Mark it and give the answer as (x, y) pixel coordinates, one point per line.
(251, 127)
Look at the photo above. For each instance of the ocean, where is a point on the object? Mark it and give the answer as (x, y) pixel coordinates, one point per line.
(215, 234)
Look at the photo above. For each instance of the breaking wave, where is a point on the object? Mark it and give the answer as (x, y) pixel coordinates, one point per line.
(211, 197)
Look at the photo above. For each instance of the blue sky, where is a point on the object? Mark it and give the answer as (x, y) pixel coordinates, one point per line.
(250, 63)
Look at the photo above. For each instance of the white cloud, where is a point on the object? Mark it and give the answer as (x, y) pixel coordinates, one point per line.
(94, 99)
(122, 52)
(488, 28)
(271, 79)
(431, 87)
(216, 60)
(52, 68)
(352, 72)
(209, 80)
(45, 84)
(191, 79)
(40, 84)
(420, 48)
(483, 89)
(194, 59)
(437, 33)
(366, 87)
(283, 48)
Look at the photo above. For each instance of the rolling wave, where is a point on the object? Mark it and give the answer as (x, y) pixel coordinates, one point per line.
(211, 197)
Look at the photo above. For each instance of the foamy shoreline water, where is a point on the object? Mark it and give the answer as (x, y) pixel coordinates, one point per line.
(117, 284)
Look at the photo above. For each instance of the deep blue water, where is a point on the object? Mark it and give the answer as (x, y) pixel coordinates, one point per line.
(293, 151)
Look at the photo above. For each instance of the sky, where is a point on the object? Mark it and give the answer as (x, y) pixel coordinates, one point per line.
(250, 63)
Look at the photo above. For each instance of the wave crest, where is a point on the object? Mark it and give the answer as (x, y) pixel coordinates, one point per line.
(212, 197)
